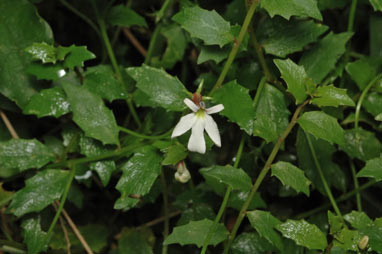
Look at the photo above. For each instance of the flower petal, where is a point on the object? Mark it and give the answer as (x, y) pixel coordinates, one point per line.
(196, 143)
(212, 129)
(191, 105)
(215, 109)
(185, 123)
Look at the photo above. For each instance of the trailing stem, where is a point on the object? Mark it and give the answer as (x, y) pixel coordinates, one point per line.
(166, 212)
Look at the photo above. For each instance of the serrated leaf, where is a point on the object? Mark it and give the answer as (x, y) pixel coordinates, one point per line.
(39, 191)
(241, 113)
(195, 232)
(133, 241)
(101, 81)
(46, 71)
(206, 25)
(295, 77)
(318, 123)
(198, 211)
(281, 38)
(361, 144)
(363, 70)
(331, 96)
(138, 175)
(236, 178)
(265, 128)
(358, 219)
(77, 56)
(174, 154)
(321, 59)
(373, 103)
(48, 102)
(303, 234)
(336, 223)
(42, 51)
(91, 114)
(264, 223)
(251, 243)
(16, 35)
(373, 168)
(377, 5)
(24, 154)
(347, 239)
(162, 88)
(34, 237)
(292, 176)
(120, 15)
(288, 8)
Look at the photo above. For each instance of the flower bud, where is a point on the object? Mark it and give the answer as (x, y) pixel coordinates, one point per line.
(362, 244)
(182, 174)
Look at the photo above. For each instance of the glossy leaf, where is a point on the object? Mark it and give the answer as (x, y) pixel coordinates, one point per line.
(251, 243)
(16, 35)
(373, 168)
(288, 8)
(34, 237)
(237, 199)
(358, 219)
(43, 52)
(292, 176)
(236, 178)
(321, 59)
(91, 114)
(377, 5)
(24, 154)
(121, 15)
(138, 175)
(48, 102)
(39, 191)
(174, 154)
(295, 77)
(161, 87)
(132, 241)
(304, 234)
(363, 71)
(373, 103)
(331, 96)
(206, 25)
(265, 223)
(241, 113)
(195, 233)
(318, 123)
(46, 71)
(280, 37)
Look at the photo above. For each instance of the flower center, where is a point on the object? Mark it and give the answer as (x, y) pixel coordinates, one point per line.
(200, 113)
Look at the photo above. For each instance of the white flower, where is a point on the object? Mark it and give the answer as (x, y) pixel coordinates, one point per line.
(199, 121)
(182, 174)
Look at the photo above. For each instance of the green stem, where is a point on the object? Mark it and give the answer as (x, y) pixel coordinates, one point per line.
(163, 10)
(225, 201)
(138, 135)
(166, 212)
(3, 202)
(356, 185)
(235, 47)
(258, 92)
(324, 182)
(261, 176)
(353, 8)
(260, 55)
(62, 203)
(362, 97)
(152, 43)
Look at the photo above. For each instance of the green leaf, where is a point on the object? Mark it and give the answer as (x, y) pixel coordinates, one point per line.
(373, 168)
(358, 219)
(213, 53)
(46, 71)
(206, 25)
(138, 175)
(272, 114)
(48, 102)
(295, 77)
(39, 191)
(336, 223)
(331, 96)
(375, 36)
(237, 199)
(377, 5)
(195, 232)
(281, 38)
(303, 234)
(24, 154)
(236, 178)
(318, 123)
(288, 8)
(34, 237)
(101, 81)
(241, 113)
(347, 239)
(77, 56)
(264, 223)
(361, 144)
(42, 51)
(96, 236)
(174, 154)
(133, 241)
(373, 103)
(321, 59)
(292, 176)
(198, 211)
(17, 34)
(375, 236)
(91, 114)
(363, 71)
(120, 15)
(161, 87)
(251, 243)
(378, 117)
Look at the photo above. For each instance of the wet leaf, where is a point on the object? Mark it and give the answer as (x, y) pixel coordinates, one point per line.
(358, 219)
(331, 96)
(43, 52)
(34, 237)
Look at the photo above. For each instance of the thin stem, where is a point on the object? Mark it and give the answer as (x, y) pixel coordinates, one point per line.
(9, 125)
(262, 175)
(225, 200)
(166, 212)
(152, 43)
(134, 41)
(260, 54)
(138, 135)
(163, 10)
(324, 182)
(235, 47)
(356, 185)
(362, 97)
(258, 93)
(353, 8)
(62, 222)
(159, 220)
(61, 206)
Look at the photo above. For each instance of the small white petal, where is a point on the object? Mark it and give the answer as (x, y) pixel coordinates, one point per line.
(185, 123)
(215, 109)
(191, 105)
(196, 143)
(212, 129)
